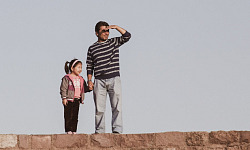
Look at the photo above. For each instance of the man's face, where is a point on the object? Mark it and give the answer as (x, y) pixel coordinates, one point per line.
(103, 33)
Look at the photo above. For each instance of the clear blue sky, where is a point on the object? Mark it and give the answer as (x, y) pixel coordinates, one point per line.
(186, 67)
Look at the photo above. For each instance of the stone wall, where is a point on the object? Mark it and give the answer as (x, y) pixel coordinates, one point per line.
(219, 140)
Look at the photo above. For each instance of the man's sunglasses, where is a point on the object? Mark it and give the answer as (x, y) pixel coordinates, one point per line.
(104, 31)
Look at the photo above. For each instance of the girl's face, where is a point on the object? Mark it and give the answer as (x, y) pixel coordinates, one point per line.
(77, 69)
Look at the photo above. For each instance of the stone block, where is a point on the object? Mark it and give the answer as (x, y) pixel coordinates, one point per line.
(159, 148)
(197, 138)
(137, 140)
(105, 140)
(40, 141)
(171, 139)
(234, 148)
(193, 148)
(24, 141)
(8, 141)
(210, 147)
(245, 136)
(245, 146)
(215, 148)
(223, 137)
(69, 141)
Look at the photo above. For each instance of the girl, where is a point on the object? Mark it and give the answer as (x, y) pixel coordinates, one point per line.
(72, 91)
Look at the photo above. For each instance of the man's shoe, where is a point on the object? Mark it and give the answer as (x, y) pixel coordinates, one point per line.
(115, 132)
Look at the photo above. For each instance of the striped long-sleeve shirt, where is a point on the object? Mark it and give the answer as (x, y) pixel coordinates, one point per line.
(103, 57)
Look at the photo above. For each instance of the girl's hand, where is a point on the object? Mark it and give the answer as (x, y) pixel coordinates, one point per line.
(91, 85)
(65, 102)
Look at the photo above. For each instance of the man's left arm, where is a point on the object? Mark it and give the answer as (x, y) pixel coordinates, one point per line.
(125, 34)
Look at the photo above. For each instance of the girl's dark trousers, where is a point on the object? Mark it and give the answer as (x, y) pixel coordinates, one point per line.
(71, 115)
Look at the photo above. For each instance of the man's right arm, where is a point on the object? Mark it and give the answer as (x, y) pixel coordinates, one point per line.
(90, 83)
(90, 68)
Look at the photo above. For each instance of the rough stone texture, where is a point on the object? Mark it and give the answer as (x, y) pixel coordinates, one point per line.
(220, 140)
(137, 140)
(215, 148)
(245, 146)
(234, 148)
(223, 137)
(197, 138)
(171, 139)
(105, 140)
(24, 141)
(8, 141)
(70, 141)
(40, 142)
(245, 136)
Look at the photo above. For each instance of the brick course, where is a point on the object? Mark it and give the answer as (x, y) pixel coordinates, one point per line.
(215, 140)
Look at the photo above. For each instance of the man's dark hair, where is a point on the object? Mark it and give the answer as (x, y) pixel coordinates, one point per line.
(99, 24)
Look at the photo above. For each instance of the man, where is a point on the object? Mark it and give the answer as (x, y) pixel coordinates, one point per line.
(103, 61)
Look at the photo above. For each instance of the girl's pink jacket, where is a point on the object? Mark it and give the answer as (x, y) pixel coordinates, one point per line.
(67, 89)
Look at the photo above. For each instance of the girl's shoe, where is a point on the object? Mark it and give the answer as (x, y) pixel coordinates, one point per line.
(69, 132)
(74, 132)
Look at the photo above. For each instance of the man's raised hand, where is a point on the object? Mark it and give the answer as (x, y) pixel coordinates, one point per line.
(112, 27)
(121, 30)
